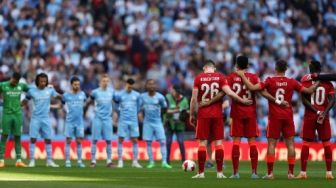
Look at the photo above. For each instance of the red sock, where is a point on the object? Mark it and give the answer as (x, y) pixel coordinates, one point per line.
(201, 158)
(291, 163)
(219, 155)
(270, 162)
(304, 156)
(235, 157)
(254, 157)
(327, 155)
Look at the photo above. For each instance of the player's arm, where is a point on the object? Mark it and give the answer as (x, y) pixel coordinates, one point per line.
(323, 77)
(193, 106)
(307, 103)
(331, 103)
(233, 95)
(311, 89)
(270, 97)
(216, 98)
(250, 86)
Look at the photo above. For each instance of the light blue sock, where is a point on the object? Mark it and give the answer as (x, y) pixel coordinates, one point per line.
(67, 152)
(32, 151)
(49, 152)
(135, 151)
(163, 147)
(108, 151)
(120, 150)
(149, 151)
(79, 152)
(93, 150)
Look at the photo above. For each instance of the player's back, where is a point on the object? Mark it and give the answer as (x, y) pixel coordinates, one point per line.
(237, 85)
(209, 85)
(129, 105)
(319, 99)
(282, 88)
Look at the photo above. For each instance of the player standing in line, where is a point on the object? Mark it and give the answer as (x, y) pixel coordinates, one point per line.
(12, 116)
(316, 118)
(41, 95)
(102, 122)
(129, 106)
(152, 103)
(280, 118)
(209, 118)
(74, 124)
(244, 117)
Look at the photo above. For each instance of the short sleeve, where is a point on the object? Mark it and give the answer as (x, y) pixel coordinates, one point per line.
(224, 81)
(53, 92)
(25, 87)
(163, 102)
(116, 97)
(64, 97)
(29, 95)
(94, 95)
(265, 83)
(297, 86)
(331, 89)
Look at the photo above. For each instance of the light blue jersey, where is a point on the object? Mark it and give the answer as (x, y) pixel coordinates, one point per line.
(40, 115)
(102, 123)
(74, 125)
(129, 106)
(152, 106)
(103, 100)
(41, 101)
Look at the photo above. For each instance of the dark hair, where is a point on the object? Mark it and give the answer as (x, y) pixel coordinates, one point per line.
(16, 75)
(281, 65)
(315, 66)
(242, 62)
(209, 62)
(74, 79)
(177, 88)
(41, 75)
(130, 81)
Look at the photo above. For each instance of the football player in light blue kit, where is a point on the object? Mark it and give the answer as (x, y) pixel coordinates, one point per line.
(74, 123)
(102, 123)
(152, 103)
(129, 107)
(41, 95)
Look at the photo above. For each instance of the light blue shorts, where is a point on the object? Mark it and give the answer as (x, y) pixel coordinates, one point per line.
(40, 125)
(102, 129)
(128, 129)
(153, 131)
(74, 130)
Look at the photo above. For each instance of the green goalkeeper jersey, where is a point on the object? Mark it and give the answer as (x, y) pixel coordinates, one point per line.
(12, 97)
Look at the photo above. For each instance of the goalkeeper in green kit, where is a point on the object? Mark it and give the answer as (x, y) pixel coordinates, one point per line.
(12, 116)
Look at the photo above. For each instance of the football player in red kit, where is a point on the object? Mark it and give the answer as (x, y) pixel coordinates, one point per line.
(209, 118)
(280, 119)
(316, 118)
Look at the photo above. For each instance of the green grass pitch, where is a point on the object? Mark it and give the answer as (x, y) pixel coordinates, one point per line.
(101, 177)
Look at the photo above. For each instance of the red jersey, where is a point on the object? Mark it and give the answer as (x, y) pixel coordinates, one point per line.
(319, 99)
(209, 85)
(282, 89)
(239, 110)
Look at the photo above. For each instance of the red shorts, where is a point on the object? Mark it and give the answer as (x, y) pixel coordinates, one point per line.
(310, 126)
(277, 126)
(244, 127)
(210, 128)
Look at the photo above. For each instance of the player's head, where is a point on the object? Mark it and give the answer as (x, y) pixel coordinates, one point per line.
(176, 90)
(41, 80)
(281, 66)
(209, 66)
(150, 85)
(241, 62)
(15, 79)
(129, 84)
(315, 66)
(75, 83)
(104, 81)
